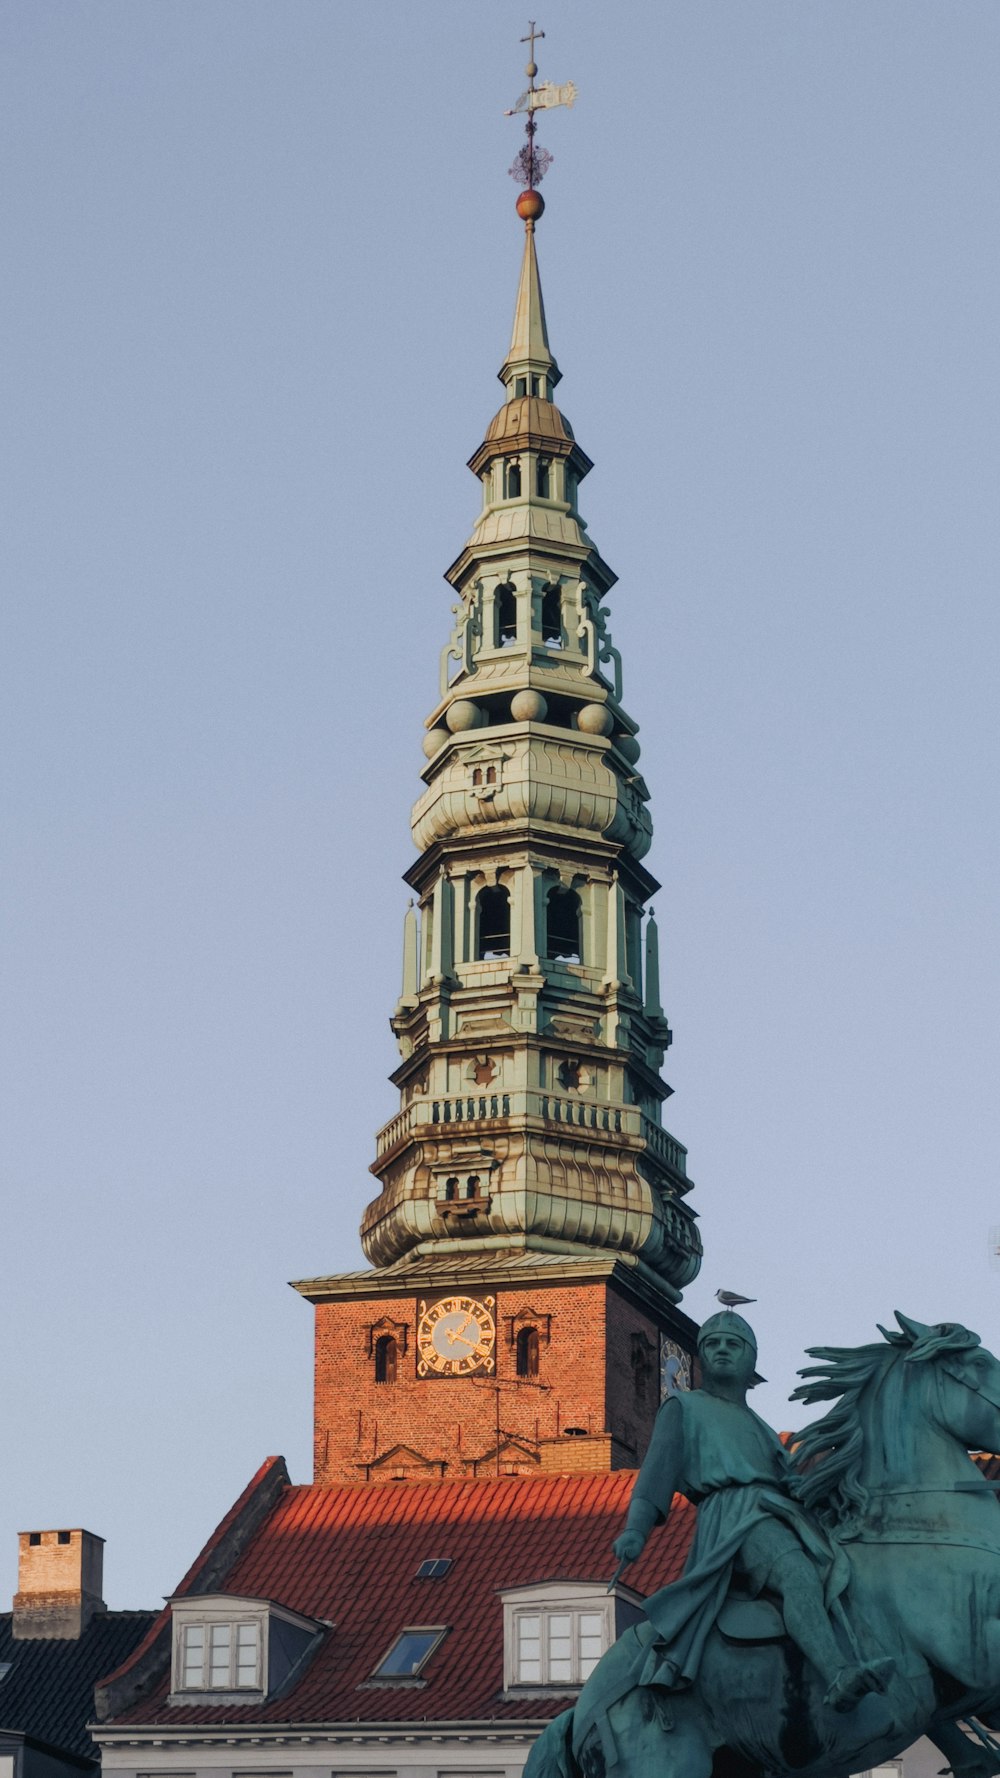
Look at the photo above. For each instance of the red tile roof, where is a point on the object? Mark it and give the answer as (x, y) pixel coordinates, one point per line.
(350, 1555)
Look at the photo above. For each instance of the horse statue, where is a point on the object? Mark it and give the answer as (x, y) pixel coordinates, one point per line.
(886, 1478)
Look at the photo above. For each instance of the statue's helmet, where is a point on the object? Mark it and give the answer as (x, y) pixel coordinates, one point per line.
(728, 1322)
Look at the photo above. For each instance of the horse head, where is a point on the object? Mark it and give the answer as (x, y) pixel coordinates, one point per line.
(968, 1378)
(907, 1412)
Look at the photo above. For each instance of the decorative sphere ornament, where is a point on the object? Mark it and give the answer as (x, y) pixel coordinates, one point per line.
(595, 719)
(628, 747)
(530, 205)
(528, 706)
(462, 715)
(433, 741)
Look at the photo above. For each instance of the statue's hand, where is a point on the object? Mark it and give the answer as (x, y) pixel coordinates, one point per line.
(629, 1546)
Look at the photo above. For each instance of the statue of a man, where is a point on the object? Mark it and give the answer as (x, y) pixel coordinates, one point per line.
(710, 1446)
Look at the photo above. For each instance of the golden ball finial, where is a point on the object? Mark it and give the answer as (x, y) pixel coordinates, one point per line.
(530, 205)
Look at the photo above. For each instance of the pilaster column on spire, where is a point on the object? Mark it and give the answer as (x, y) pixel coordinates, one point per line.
(488, 614)
(527, 912)
(411, 956)
(616, 974)
(654, 1008)
(442, 959)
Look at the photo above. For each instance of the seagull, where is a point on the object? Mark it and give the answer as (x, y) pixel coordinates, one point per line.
(730, 1298)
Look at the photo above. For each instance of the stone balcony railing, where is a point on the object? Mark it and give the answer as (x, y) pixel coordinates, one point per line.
(431, 1116)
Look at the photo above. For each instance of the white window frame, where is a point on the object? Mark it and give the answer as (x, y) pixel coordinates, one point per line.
(209, 1630)
(545, 1601)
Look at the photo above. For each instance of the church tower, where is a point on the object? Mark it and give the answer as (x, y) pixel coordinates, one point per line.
(531, 1235)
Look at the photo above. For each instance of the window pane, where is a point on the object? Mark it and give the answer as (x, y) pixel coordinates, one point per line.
(407, 1654)
(194, 1655)
(218, 1663)
(246, 1654)
(560, 1647)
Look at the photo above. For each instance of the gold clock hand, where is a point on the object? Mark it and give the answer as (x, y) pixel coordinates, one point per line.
(458, 1339)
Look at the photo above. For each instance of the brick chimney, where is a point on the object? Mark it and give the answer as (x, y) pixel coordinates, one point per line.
(59, 1580)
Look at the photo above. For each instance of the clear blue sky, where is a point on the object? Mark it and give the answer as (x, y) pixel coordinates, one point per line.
(260, 261)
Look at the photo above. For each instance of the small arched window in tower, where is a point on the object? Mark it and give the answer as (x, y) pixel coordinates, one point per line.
(542, 478)
(491, 774)
(472, 1186)
(451, 1190)
(520, 387)
(386, 1353)
(527, 1352)
(552, 616)
(536, 385)
(477, 776)
(506, 610)
(563, 911)
(512, 479)
(492, 923)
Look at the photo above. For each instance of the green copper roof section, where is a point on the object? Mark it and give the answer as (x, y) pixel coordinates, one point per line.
(529, 341)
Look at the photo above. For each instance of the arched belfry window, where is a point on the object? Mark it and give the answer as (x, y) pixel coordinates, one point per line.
(506, 610)
(563, 925)
(527, 1352)
(552, 616)
(492, 923)
(512, 478)
(386, 1356)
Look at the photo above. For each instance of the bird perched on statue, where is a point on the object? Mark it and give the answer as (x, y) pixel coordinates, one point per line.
(731, 1299)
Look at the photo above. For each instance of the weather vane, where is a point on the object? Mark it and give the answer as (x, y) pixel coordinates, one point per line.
(532, 163)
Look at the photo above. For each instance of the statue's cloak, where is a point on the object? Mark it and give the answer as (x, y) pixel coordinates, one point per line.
(735, 1470)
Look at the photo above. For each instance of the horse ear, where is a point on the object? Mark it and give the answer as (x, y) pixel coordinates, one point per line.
(915, 1330)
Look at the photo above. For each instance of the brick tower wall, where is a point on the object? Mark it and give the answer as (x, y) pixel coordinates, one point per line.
(597, 1375)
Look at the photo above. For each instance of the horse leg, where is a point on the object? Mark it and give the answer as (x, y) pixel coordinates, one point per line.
(966, 1758)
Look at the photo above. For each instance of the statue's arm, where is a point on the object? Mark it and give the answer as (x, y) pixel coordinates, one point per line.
(658, 1481)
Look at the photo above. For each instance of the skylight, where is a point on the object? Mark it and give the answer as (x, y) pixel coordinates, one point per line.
(434, 1568)
(408, 1654)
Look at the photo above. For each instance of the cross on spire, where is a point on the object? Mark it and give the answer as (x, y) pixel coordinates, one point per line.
(531, 69)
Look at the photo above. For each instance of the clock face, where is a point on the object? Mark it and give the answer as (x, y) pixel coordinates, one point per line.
(455, 1335)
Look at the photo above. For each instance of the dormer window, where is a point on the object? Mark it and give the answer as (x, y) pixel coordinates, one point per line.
(556, 1632)
(230, 1650)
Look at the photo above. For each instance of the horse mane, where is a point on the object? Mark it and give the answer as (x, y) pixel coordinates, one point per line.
(828, 1454)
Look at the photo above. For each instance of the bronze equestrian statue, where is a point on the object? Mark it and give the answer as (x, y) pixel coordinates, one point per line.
(839, 1600)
